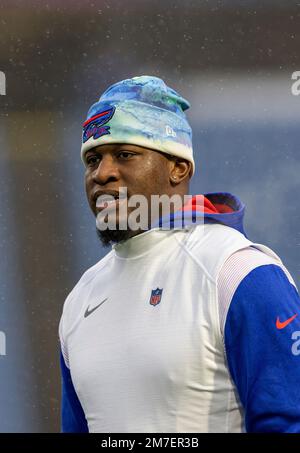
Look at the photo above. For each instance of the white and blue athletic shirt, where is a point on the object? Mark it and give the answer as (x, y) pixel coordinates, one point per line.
(192, 330)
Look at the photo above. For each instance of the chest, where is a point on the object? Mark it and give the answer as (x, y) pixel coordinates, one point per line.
(144, 321)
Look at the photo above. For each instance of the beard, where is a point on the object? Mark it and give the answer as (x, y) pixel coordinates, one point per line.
(115, 235)
(107, 237)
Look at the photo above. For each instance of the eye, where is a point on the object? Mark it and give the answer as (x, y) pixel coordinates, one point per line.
(125, 154)
(92, 159)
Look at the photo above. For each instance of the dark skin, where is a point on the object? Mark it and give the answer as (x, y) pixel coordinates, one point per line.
(141, 170)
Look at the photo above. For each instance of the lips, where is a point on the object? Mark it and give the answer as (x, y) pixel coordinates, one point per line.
(106, 201)
(108, 198)
(102, 193)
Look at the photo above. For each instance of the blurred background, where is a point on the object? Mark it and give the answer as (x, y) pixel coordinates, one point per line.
(232, 59)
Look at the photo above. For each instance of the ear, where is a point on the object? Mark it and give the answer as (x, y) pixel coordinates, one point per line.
(180, 170)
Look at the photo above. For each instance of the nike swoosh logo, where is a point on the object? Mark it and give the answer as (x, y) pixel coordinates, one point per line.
(282, 325)
(89, 312)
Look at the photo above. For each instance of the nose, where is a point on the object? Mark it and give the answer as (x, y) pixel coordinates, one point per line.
(106, 171)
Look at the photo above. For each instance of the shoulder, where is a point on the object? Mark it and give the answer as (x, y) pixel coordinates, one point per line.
(75, 298)
(209, 245)
(253, 270)
(87, 278)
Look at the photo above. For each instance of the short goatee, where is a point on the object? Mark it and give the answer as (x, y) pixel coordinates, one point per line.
(107, 237)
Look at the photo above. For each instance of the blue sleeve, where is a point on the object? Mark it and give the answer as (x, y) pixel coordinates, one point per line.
(262, 342)
(72, 416)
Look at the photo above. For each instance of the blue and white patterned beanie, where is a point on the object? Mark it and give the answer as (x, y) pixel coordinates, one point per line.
(141, 111)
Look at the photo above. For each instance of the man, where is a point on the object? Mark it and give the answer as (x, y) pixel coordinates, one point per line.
(192, 328)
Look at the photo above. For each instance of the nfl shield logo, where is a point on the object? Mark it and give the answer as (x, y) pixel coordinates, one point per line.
(155, 296)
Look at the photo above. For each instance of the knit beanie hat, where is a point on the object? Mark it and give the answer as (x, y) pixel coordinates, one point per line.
(140, 111)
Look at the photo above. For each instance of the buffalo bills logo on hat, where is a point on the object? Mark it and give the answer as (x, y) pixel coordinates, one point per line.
(94, 126)
(156, 295)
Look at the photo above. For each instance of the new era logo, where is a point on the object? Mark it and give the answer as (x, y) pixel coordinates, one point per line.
(170, 131)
